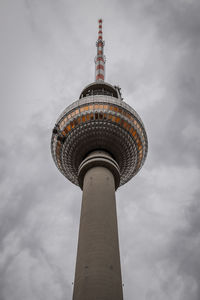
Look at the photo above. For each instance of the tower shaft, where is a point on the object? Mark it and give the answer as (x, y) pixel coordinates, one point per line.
(100, 58)
(98, 272)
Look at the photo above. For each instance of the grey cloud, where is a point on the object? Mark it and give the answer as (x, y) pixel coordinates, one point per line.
(24, 216)
(182, 252)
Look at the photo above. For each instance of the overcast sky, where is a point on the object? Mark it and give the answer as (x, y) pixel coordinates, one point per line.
(47, 57)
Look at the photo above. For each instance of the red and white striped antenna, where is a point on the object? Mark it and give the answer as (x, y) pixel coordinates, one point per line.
(100, 58)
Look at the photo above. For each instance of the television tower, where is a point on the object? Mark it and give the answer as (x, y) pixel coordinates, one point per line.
(99, 143)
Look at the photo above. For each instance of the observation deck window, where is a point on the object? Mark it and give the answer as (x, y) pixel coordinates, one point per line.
(98, 92)
(99, 89)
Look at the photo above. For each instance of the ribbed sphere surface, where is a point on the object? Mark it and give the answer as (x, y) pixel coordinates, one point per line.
(99, 122)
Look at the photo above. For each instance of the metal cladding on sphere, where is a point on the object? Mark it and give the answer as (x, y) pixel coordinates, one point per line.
(99, 120)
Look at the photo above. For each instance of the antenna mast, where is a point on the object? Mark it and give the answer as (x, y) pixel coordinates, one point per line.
(100, 58)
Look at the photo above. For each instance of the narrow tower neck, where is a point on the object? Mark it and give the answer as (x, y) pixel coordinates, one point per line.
(100, 57)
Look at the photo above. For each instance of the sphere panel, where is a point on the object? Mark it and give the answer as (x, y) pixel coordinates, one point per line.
(99, 122)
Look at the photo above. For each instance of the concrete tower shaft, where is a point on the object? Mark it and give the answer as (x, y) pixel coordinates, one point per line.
(98, 272)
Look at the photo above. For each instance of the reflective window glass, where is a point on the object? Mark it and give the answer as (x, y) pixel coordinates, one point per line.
(118, 119)
(125, 124)
(134, 133)
(113, 118)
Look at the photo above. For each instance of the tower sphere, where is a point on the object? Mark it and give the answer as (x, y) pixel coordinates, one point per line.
(99, 120)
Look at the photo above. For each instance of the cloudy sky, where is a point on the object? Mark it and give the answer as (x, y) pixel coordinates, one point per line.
(47, 57)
